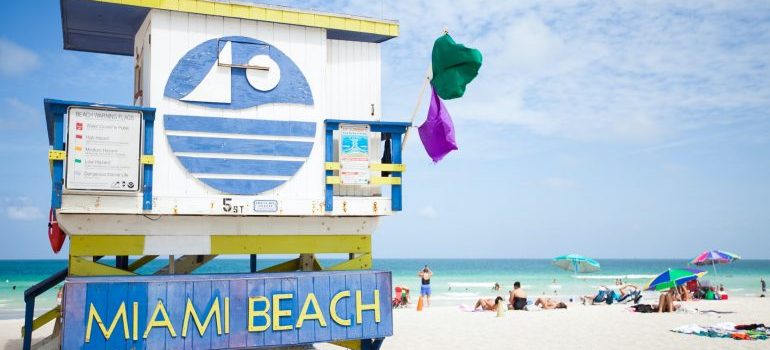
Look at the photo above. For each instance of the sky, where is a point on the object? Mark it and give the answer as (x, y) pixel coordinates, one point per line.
(636, 129)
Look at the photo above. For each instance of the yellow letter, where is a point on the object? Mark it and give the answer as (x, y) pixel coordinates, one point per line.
(316, 315)
(262, 313)
(94, 316)
(360, 307)
(227, 315)
(278, 313)
(333, 308)
(190, 311)
(136, 320)
(155, 323)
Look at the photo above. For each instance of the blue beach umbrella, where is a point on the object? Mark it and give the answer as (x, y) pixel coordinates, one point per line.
(576, 263)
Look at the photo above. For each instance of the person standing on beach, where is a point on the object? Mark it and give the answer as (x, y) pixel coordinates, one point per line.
(764, 286)
(425, 275)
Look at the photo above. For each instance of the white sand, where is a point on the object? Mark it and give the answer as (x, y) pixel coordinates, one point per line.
(579, 327)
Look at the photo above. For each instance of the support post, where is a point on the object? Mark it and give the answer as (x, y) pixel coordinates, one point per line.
(329, 158)
(171, 264)
(395, 190)
(253, 263)
(28, 317)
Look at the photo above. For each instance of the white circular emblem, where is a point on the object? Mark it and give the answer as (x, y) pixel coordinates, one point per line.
(263, 80)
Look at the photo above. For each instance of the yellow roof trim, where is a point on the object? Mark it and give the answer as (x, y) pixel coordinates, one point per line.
(268, 13)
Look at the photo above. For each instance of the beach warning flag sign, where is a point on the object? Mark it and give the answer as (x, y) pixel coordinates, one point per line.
(454, 67)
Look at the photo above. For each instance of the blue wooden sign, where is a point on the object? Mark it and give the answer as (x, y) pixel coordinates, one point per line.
(225, 311)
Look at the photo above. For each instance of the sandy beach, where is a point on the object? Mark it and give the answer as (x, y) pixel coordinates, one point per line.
(578, 327)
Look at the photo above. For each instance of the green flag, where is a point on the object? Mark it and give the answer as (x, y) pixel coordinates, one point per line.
(454, 66)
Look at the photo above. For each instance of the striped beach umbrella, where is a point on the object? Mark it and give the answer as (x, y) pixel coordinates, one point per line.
(672, 278)
(576, 263)
(714, 257)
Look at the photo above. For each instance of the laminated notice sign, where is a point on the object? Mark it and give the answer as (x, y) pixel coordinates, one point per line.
(354, 154)
(103, 149)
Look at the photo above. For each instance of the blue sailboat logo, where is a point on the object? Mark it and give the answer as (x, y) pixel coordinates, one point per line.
(230, 154)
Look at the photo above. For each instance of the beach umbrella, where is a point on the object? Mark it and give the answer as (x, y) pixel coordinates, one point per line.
(576, 263)
(672, 278)
(714, 257)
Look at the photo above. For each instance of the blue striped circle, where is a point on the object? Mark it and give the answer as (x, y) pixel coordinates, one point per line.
(227, 163)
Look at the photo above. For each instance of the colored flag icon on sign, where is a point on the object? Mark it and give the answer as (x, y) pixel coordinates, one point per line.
(78, 126)
(78, 136)
(78, 148)
(77, 160)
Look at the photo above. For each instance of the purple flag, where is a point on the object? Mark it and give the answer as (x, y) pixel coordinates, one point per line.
(437, 132)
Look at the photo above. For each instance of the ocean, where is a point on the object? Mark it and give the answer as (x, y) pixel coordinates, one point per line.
(455, 281)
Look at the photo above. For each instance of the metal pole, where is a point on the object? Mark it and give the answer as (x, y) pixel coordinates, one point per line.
(253, 263)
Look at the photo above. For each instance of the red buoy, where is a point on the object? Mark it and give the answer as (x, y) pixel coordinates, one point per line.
(55, 235)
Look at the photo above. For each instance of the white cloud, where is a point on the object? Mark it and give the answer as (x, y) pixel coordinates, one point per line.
(639, 72)
(16, 60)
(428, 212)
(16, 115)
(23, 213)
(20, 208)
(558, 183)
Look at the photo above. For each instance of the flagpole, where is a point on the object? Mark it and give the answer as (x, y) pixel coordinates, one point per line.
(425, 84)
(416, 107)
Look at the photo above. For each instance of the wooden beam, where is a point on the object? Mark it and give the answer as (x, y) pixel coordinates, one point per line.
(43, 319)
(85, 267)
(290, 244)
(362, 262)
(186, 264)
(287, 266)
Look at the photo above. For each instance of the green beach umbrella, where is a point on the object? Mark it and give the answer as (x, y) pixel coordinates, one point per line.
(576, 263)
(673, 278)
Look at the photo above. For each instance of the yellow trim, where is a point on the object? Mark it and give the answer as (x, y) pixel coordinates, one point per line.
(286, 266)
(362, 262)
(290, 244)
(56, 155)
(348, 344)
(270, 14)
(92, 245)
(387, 167)
(385, 180)
(332, 166)
(86, 267)
(43, 319)
(147, 159)
(333, 180)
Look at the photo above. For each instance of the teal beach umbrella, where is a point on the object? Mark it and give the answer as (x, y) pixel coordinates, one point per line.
(576, 263)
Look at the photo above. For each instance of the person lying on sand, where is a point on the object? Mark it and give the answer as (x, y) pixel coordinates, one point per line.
(517, 298)
(548, 304)
(488, 304)
(599, 297)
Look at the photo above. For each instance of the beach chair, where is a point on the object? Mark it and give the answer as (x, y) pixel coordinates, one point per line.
(400, 297)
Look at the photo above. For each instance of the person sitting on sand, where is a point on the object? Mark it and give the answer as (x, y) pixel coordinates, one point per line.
(629, 292)
(517, 298)
(488, 304)
(666, 302)
(548, 304)
(683, 294)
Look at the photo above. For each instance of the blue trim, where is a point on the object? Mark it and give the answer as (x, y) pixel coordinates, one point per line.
(54, 115)
(242, 187)
(396, 129)
(329, 158)
(240, 166)
(239, 146)
(239, 126)
(149, 123)
(395, 190)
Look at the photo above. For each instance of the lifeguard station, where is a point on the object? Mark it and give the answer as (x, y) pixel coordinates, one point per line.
(254, 130)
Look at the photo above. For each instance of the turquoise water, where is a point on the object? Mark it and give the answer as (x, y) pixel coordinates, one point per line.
(468, 279)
